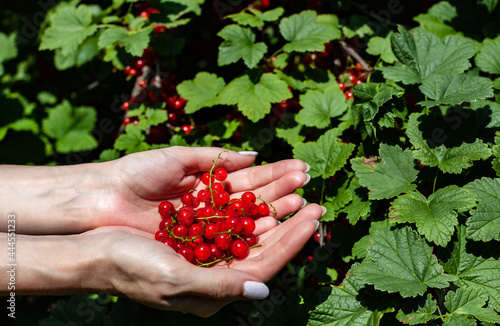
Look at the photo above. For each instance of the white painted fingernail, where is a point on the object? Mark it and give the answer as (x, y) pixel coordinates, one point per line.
(304, 203)
(323, 208)
(308, 178)
(308, 167)
(255, 290)
(250, 153)
(317, 225)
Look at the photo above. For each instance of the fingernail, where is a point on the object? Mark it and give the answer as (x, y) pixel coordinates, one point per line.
(255, 290)
(304, 203)
(324, 210)
(317, 225)
(250, 153)
(308, 178)
(308, 167)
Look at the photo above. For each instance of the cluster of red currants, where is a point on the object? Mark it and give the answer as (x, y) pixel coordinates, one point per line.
(219, 230)
(350, 78)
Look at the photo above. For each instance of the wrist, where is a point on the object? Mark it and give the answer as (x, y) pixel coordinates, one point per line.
(49, 200)
(72, 267)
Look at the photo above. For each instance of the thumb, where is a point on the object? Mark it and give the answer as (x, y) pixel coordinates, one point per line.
(221, 283)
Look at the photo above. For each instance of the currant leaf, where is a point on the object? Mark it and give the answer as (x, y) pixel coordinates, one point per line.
(421, 54)
(201, 92)
(435, 19)
(256, 18)
(475, 268)
(239, 43)
(470, 302)
(254, 99)
(401, 261)
(71, 127)
(454, 89)
(390, 175)
(436, 216)
(418, 311)
(291, 135)
(347, 304)
(449, 160)
(133, 140)
(69, 27)
(326, 156)
(484, 223)
(305, 33)
(488, 59)
(134, 42)
(381, 46)
(320, 106)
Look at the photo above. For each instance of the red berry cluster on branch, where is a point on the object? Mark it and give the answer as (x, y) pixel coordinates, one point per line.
(350, 78)
(210, 226)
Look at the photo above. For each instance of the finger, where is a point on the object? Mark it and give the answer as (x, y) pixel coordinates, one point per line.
(201, 159)
(275, 255)
(311, 212)
(258, 176)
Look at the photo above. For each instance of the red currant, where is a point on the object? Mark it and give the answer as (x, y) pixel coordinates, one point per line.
(205, 178)
(248, 198)
(166, 209)
(223, 241)
(204, 196)
(240, 248)
(187, 252)
(202, 252)
(160, 235)
(220, 174)
(248, 225)
(186, 216)
(263, 209)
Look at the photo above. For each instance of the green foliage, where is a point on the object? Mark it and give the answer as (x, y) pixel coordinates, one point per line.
(408, 168)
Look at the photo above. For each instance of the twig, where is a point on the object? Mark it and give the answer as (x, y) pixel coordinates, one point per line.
(355, 55)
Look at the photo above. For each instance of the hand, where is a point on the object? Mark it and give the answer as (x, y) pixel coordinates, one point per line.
(135, 184)
(151, 272)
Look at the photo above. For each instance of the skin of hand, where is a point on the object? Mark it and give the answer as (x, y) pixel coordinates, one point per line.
(127, 191)
(125, 261)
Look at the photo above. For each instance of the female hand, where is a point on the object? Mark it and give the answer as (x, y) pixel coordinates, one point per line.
(150, 272)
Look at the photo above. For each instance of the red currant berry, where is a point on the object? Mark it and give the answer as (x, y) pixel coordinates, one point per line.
(217, 187)
(248, 225)
(171, 242)
(165, 223)
(142, 83)
(210, 229)
(195, 230)
(251, 240)
(205, 178)
(186, 216)
(221, 198)
(159, 28)
(160, 235)
(349, 95)
(189, 200)
(166, 209)
(220, 174)
(144, 14)
(179, 231)
(316, 237)
(203, 196)
(216, 252)
(187, 129)
(248, 198)
(187, 252)
(263, 209)
(342, 86)
(125, 105)
(223, 241)
(232, 223)
(240, 248)
(202, 252)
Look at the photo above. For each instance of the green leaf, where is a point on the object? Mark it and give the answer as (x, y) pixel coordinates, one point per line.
(201, 92)
(71, 127)
(401, 261)
(484, 223)
(155, 116)
(422, 54)
(435, 19)
(390, 175)
(436, 216)
(454, 89)
(449, 160)
(380, 46)
(239, 44)
(470, 301)
(8, 49)
(305, 33)
(108, 155)
(348, 304)
(256, 18)
(291, 135)
(418, 311)
(357, 25)
(134, 42)
(360, 205)
(320, 106)
(133, 140)
(488, 58)
(254, 99)
(495, 149)
(69, 27)
(85, 53)
(325, 156)
(371, 97)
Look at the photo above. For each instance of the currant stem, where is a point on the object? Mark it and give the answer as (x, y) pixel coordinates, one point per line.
(270, 205)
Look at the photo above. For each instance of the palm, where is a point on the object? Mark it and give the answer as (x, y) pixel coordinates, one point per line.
(140, 184)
